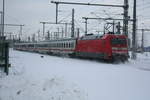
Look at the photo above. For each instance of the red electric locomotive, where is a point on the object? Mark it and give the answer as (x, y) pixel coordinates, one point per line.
(107, 46)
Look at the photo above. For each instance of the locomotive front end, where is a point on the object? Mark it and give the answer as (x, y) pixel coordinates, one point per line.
(119, 48)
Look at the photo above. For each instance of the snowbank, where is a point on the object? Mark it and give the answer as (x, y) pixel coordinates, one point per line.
(33, 77)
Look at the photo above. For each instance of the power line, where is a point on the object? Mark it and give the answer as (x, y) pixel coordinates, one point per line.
(64, 18)
(89, 4)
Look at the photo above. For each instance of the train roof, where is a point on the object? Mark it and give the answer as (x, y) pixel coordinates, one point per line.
(91, 36)
(48, 41)
(98, 36)
(61, 39)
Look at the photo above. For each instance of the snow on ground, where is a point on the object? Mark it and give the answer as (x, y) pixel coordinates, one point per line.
(57, 78)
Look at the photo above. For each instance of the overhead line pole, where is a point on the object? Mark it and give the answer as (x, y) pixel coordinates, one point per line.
(88, 4)
(20, 31)
(55, 23)
(15, 25)
(125, 18)
(1, 23)
(125, 7)
(72, 28)
(56, 13)
(66, 29)
(142, 42)
(134, 32)
(2, 28)
(85, 25)
(86, 18)
(43, 27)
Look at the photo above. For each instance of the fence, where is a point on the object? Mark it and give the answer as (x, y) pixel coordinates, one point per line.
(4, 56)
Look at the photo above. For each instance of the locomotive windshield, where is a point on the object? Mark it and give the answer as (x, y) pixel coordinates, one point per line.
(117, 41)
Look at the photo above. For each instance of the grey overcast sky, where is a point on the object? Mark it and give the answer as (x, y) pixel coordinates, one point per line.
(31, 12)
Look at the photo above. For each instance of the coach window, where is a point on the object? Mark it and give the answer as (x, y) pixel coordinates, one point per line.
(46, 45)
(73, 45)
(69, 44)
(63, 45)
(56, 44)
(59, 45)
(66, 45)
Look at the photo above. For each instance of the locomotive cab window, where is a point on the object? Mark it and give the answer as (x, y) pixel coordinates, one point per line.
(116, 41)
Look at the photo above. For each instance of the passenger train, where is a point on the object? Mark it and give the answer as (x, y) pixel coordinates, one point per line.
(107, 46)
